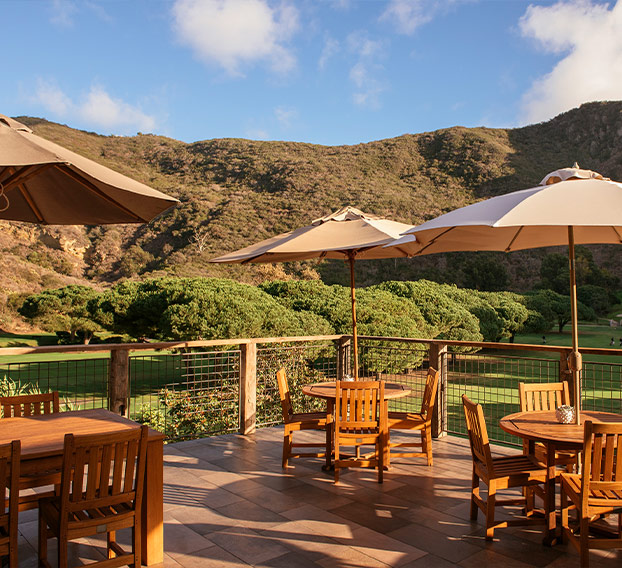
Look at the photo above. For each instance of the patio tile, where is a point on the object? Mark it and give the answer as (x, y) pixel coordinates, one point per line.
(228, 503)
(450, 548)
(248, 545)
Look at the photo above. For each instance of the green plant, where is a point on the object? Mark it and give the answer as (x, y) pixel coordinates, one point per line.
(9, 387)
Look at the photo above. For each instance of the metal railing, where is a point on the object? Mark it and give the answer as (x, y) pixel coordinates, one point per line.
(199, 388)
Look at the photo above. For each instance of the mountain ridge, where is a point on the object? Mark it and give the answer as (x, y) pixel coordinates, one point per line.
(235, 192)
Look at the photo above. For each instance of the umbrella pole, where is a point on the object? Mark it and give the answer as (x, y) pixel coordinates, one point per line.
(574, 359)
(351, 255)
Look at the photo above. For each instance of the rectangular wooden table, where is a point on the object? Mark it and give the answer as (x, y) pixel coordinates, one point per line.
(42, 439)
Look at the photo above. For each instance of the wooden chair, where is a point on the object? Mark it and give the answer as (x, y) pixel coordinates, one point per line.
(295, 422)
(535, 397)
(9, 471)
(360, 419)
(498, 473)
(101, 491)
(421, 421)
(32, 405)
(597, 490)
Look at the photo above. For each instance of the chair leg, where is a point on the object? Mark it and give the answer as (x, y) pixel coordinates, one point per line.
(62, 552)
(563, 504)
(111, 538)
(287, 447)
(380, 459)
(137, 544)
(426, 442)
(474, 494)
(584, 543)
(43, 540)
(490, 511)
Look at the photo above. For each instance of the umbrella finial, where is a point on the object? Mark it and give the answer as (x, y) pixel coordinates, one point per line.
(570, 173)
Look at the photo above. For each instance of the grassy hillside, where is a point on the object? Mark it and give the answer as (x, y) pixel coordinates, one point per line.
(236, 192)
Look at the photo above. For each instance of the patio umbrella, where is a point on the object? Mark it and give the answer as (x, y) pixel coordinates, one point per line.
(569, 206)
(42, 182)
(345, 234)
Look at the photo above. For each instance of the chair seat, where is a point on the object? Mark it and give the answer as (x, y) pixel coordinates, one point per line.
(117, 516)
(519, 465)
(596, 498)
(319, 418)
(406, 420)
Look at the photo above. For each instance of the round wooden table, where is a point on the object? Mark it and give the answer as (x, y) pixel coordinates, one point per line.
(543, 427)
(327, 392)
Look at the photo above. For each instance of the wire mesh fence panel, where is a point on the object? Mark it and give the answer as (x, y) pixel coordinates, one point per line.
(304, 364)
(188, 395)
(403, 363)
(491, 381)
(601, 387)
(81, 383)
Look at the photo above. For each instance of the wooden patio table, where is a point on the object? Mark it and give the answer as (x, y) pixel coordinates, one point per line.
(327, 391)
(42, 438)
(543, 427)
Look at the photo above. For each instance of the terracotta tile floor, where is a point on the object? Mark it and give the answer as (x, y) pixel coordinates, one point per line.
(228, 503)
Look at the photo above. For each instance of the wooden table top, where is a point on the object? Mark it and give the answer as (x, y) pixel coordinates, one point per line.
(544, 427)
(327, 390)
(44, 435)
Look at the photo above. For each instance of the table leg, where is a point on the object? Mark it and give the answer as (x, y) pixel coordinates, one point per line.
(550, 538)
(152, 519)
(330, 411)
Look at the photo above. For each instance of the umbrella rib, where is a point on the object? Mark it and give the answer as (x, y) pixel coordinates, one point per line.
(615, 230)
(31, 203)
(22, 175)
(433, 240)
(93, 188)
(509, 247)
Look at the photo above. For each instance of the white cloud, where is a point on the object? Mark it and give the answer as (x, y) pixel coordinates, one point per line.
(330, 49)
(62, 13)
(257, 134)
(366, 71)
(52, 98)
(408, 15)
(232, 33)
(588, 37)
(285, 116)
(98, 109)
(101, 109)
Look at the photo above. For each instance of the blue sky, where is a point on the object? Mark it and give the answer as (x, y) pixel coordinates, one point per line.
(319, 71)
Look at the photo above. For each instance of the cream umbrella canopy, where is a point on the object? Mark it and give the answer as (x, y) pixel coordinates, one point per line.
(570, 206)
(347, 234)
(42, 182)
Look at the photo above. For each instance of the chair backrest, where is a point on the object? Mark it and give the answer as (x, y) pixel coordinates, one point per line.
(359, 405)
(429, 394)
(9, 471)
(602, 463)
(29, 404)
(478, 434)
(286, 402)
(542, 396)
(103, 470)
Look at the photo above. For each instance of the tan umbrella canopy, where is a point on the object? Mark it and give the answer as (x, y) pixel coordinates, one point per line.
(345, 234)
(569, 206)
(42, 182)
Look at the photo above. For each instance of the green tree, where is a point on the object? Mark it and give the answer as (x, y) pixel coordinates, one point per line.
(484, 272)
(510, 310)
(199, 308)
(64, 309)
(445, 317)
(547, 308)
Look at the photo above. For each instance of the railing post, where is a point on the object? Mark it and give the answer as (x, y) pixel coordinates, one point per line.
(438, 360)
(343, 357)
(565, 374)
(119, 381)
(248, 389)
